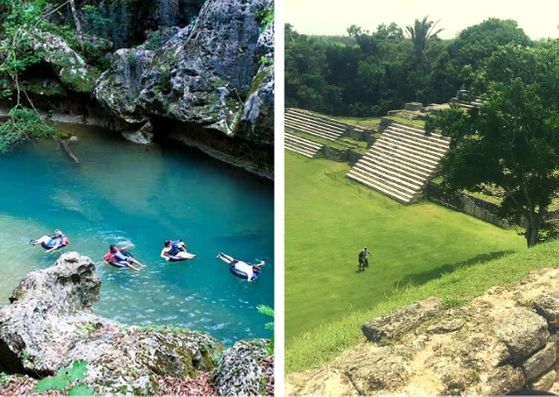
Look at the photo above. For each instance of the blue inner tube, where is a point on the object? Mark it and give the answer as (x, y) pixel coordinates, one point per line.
(243, 275)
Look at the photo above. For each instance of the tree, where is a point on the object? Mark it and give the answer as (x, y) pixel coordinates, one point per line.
(512, 140)
(420, 33)
(476, 43)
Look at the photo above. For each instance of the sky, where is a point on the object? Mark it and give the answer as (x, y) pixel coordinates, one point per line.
(538, 18)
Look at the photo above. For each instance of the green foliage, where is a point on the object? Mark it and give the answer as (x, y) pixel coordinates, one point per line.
(268, 311)
(476, 43)
(512, 141)
(22, 124)
(368, 73)
(154, 40)
(264, 18)
(66, 379)
(94, 23)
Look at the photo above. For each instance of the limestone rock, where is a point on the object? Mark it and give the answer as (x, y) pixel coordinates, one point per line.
(544, 382)
(215, 72)
(547, 306)
(69, 66)
(540, 362)
(49, 324)
(243, 369)
(142, 136)
(402, 321)
(524, 332)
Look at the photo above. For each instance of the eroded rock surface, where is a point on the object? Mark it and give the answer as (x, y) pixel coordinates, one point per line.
(216, 72)
(49, 324)
(245, 370)
(504, 341)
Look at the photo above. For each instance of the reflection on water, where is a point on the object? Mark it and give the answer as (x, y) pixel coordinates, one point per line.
(126, 192)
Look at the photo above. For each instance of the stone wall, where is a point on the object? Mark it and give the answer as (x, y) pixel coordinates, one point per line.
(470, 205)
(341, 155)
(476, 207)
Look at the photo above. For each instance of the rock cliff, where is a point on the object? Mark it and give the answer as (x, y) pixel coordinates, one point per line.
(504, 341)
(200, 72)
(213, 73)
(49, 325)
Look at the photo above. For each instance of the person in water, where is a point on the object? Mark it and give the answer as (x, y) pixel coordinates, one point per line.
(52, 242)
(118, 256)
(241, 266)
(175, 250)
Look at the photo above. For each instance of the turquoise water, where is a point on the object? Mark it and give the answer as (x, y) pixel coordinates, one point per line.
(126, 192)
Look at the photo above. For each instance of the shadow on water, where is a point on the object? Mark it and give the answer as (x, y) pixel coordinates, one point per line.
(426, 276)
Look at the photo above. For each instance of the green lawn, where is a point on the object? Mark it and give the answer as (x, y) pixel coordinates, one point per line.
(358, 121)
(329, 219)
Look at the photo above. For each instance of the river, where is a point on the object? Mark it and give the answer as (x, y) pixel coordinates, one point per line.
(123, 192)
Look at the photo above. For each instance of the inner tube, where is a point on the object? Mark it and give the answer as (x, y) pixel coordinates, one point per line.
(65, 242)
(190, 256)
(237, 273)
(115, 264)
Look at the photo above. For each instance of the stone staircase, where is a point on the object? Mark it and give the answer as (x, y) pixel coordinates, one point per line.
(324, 127)
(401, 162)
(463, 99)
(302, 146)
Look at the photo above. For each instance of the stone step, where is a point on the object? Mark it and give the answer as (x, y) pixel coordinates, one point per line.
(419, 143)
(302, 141)
(412, 149)
(405, 153)
(404, 183)
(396, 168)
(317, 123)
(302, 146)
(311, 127)
(290, 127)
(412, 166)
(318, 120)
(312, 124)
(437, 139)
(299, 151)
(382, 187)
(322, 119)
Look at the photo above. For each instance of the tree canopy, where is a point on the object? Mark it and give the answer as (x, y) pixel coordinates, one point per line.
(371, 72)
(512, 140)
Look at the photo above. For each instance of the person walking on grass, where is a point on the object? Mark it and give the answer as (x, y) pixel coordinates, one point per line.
(363, 259)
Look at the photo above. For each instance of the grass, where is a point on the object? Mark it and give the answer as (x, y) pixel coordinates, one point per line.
(341, 143)
(358, 121)
(417, 123)
(329, 219)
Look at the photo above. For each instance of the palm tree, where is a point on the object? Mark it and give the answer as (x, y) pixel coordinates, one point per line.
(420, 34)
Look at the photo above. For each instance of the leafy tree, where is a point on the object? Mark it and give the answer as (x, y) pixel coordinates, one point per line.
(421, 33)
(512, 140)
(476, 43)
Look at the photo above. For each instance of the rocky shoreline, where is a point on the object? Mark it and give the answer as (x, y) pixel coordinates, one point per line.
(49, 326)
